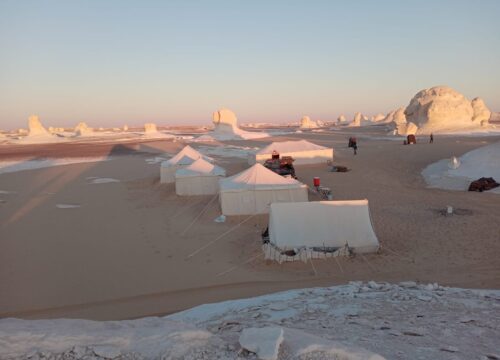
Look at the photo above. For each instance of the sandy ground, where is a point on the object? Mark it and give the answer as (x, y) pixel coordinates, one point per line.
(123, 252)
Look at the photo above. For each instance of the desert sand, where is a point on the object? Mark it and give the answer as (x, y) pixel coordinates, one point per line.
(121, 249)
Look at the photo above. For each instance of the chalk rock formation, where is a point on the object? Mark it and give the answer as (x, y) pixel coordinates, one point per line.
(357, 120)
(482, 114)
(226, 128)
(341, 119)
(150, 128)
(35, 127)
(125, 127)
(22, 132)
(441, 108)
(307, 123)
(225, 120)
(378, 117)
(82, 129)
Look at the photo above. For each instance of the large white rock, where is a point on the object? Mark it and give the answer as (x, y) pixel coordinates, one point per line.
(35, 127)
(357, 120)
(341, 119)
(307, 123)
(378, 117)
(226, 128)
(225, 120)
(82, 129)
(265, 342)
(441, 109)
(150, 128)
(482, 114)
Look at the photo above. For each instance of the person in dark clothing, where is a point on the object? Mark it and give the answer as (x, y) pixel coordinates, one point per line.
(431, 139)
(355, 147)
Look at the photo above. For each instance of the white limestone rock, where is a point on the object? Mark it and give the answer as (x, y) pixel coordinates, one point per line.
(224, 120)
(35, 127)
(357, 120)
(307, 123)
(481, 113)
(82, 129)
(341, 119)
(378, 117)
(265, 342)
(441, 108)
(125, 127)
(150, 128)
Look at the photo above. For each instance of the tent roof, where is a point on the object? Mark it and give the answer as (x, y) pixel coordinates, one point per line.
(259, 178)
(291, 146)
(322, 223)
(201, 167)
(185, 157)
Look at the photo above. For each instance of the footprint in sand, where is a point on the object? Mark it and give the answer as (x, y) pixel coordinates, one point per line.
(97, 180)
(68, 206)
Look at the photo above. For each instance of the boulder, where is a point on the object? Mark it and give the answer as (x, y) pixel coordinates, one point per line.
(265, 342)
(341, 119)
(441, 108)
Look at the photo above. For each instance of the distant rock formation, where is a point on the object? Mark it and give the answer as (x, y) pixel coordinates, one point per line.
(378, 117)
(225, 120)
(226, 128)
(82, 129)
(341, 119)
(35, 127)
(307, 123)
(357, 120)
(125, 127)
(150, 128)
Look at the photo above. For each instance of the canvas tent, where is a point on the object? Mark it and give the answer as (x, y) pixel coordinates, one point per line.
(199, 178)
(311, 228)
(303, 151)
(183, 158)
(253, 190)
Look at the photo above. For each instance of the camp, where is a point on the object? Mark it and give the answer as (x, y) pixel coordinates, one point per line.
(251, 191)
(302, 151)
(199, 178)
(320, 227)
(183, 158)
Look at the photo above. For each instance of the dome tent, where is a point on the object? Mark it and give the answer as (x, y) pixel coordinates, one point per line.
(183, 158)
(253, 190)
(199, 178)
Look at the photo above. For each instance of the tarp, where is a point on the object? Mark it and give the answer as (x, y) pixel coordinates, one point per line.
(303, 151)
(182, 159)
(199, 178)
(323, 224)
(251, 191)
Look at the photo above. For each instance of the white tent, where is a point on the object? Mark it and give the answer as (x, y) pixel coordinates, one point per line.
(313, 226)
(253, 190)
(183, 158)
(199, 178)
(303, 151)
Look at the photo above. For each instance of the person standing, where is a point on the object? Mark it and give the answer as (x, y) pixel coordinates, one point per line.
(431, 139)
(355, 147)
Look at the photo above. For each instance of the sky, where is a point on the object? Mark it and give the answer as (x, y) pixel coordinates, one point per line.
(116, 62)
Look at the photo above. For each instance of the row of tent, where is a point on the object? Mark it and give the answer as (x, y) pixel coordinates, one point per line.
(246, 193)
(294, 222)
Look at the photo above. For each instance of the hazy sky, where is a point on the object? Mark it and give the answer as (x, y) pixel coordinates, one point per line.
(170, 62)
